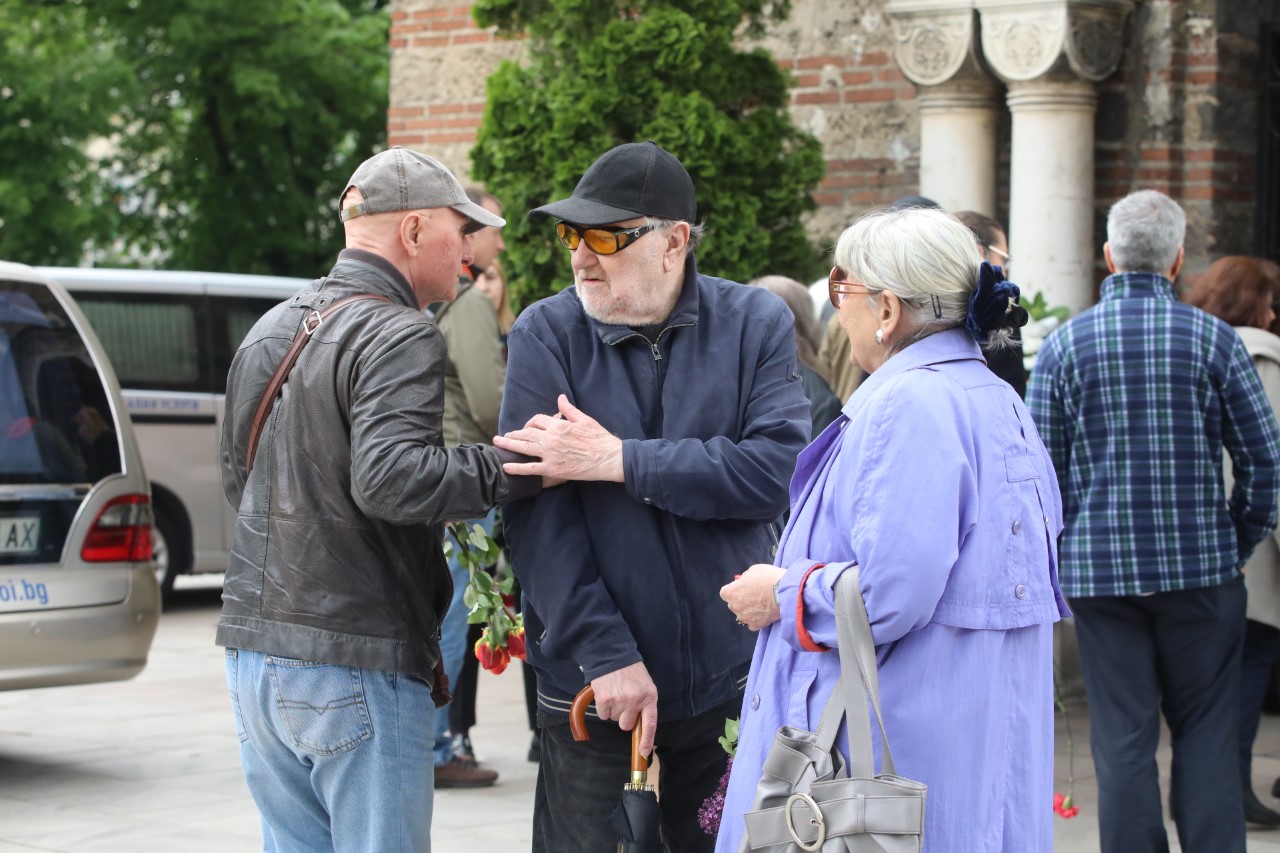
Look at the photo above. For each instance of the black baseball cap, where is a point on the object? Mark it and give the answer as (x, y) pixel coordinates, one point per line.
(635, 179)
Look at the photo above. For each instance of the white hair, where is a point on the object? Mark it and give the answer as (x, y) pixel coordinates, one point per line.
(1145, 230)
(697, 230)
(926, 258)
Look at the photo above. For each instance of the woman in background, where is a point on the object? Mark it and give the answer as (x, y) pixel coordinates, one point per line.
(824, 405)
(1243, 292)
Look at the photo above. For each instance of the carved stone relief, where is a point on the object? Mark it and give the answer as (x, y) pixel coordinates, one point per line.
(932, 47)
(1027, 39)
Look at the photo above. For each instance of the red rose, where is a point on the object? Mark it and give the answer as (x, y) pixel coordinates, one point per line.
(494, 660)
(515, 643)
(1063, 806)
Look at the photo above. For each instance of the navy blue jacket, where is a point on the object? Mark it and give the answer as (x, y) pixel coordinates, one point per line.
(712, 418)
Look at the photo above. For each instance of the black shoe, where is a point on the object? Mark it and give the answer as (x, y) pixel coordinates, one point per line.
(535, 749)
(1256, 813)
(1275, 789)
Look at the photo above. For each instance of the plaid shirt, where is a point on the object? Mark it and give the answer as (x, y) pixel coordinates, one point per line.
(1135, 400)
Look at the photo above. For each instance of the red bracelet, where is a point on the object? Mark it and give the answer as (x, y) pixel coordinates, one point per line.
(806, 642)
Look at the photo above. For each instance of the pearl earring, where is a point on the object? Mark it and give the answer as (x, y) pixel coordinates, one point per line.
(880, 337)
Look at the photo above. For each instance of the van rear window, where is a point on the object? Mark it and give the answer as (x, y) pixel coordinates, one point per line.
(56, 425)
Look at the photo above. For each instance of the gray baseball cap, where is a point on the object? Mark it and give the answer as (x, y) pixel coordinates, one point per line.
(399, 179)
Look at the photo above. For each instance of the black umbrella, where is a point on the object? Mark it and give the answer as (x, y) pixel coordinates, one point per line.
(637, 818)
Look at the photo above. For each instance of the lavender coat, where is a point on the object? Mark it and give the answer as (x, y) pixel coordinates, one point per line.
(936, 483)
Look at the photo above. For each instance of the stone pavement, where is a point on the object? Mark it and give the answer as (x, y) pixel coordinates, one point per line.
(152, 765)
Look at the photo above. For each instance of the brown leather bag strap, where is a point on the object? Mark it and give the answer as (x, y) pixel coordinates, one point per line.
(309, 324)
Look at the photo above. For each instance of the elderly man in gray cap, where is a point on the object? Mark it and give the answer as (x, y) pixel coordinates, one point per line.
(330, 616)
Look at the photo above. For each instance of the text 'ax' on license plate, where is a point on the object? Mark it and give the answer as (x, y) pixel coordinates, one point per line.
(19, 534)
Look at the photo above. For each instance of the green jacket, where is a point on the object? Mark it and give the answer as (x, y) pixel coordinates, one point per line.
(476, 367)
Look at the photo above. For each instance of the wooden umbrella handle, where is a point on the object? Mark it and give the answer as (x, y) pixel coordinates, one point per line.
(578, 727)
(578, 713)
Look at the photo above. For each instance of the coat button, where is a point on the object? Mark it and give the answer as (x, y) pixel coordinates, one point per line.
(1019, 592)
(1017, 526)
(755, 701)
(648, 501)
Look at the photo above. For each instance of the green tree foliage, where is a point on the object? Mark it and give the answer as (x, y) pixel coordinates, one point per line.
(237, 124)
(61, 87)
(256, 114)
(603, 72)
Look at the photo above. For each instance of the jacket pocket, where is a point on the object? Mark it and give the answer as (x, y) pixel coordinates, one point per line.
(322, 705)
(798, 698)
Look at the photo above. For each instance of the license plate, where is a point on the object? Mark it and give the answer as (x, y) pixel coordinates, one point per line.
(19, 534)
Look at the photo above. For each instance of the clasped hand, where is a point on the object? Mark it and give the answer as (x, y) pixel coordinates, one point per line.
(625, 695)
(569, 445)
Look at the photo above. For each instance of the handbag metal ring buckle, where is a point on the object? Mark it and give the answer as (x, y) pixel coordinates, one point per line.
(816, 820)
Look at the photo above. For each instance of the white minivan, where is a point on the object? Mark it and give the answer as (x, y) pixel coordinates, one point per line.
(171, 337)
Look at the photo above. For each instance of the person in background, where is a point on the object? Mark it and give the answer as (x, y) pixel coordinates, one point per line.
(993, 245)
(824, 406)
(337, 582)
(937, 487)
(1137, 398)
(680, 416)
(493, 283)
(836, 358)
(1243, 292)
(474, 373)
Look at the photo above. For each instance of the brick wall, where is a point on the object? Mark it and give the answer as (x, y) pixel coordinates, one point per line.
(1179, 115)
(439, 62)
(848, 92)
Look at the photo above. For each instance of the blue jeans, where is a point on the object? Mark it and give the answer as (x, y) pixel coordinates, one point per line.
(336, 757)
(453, 643)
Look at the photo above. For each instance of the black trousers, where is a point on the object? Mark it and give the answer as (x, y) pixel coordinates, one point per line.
(1176, 652)
(579, 784)
(1261, 648)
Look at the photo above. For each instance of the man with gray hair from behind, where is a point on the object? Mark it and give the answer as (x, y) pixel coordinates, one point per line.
(1136, 399)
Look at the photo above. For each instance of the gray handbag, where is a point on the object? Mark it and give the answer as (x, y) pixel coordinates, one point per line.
(807, 798)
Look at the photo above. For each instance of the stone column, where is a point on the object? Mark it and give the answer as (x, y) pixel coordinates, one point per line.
(1049, 53)
(1051, 190)
(958, 144)
(935, 47)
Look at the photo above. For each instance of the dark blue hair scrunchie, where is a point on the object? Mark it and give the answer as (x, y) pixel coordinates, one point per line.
(994, 304)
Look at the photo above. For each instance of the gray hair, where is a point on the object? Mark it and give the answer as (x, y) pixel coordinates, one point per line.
(926, 258)
(697, 230)
(1145, 230)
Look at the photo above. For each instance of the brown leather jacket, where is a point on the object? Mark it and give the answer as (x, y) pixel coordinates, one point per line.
(337, 553)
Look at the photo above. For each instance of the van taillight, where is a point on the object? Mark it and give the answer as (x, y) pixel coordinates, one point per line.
(121, 533)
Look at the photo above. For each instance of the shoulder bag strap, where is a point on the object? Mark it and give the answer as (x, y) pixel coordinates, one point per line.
(309, 324)
(859, 679)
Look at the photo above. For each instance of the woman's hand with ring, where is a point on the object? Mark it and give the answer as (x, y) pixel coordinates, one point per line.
(750, 597)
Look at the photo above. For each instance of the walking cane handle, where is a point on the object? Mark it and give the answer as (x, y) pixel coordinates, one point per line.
(578, 713)
(578, 728)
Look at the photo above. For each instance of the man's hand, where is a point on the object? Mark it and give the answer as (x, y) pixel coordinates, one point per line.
(570, 445)
(750, 597)
(626, 694)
